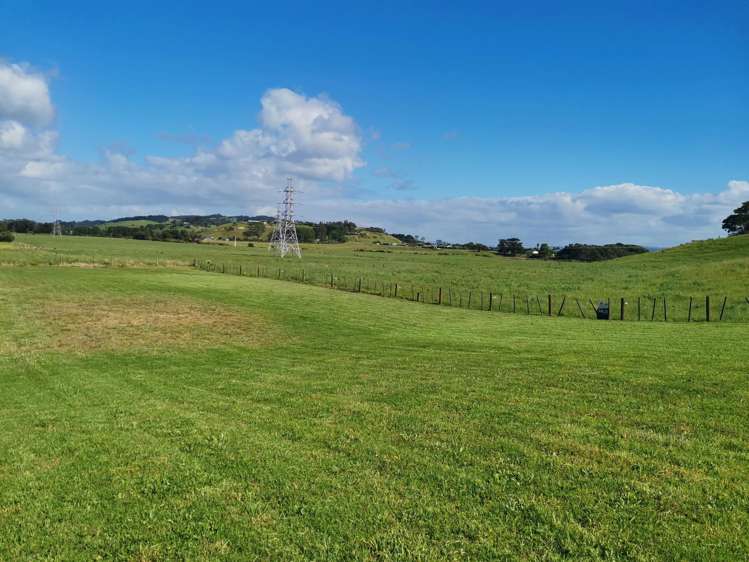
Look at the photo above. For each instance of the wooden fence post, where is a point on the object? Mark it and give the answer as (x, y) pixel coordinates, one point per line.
(689, 315)
(665, 309)
(491, 297)
(549, 305)
(621, 308)
(538, 302)
(707, 308)
(652, 316)
(439, 299)
(722, 308)
(638, 309)
(470, 294)
(561, 307)
(513, 304)
(580, 308)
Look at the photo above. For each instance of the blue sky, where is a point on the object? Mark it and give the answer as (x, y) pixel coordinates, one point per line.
(480, 100)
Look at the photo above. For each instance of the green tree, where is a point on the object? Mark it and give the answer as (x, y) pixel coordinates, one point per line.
(510, 247)
(254, 230)
(305, 233)
(738, 221)
(545, 251)
(322, 232)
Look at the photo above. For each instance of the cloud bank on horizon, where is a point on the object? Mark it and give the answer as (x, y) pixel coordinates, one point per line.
(312, 139)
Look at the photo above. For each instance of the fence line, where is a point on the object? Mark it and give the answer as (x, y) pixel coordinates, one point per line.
(477, 300)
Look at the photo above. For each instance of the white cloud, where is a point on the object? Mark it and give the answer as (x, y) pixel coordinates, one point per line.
(24, 95)
(13, 135)
(313, 139)
(307, 137)
(623, 212)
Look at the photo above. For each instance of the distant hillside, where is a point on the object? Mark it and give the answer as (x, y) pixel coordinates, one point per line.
(123, 222)
(694, 268)
(139, 219)
(216, 219)
(702, 251)
(373, 236)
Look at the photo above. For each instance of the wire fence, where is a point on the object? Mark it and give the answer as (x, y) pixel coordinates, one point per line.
(651, 308)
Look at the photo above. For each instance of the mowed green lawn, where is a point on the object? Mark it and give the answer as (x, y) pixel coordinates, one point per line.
(153, 414)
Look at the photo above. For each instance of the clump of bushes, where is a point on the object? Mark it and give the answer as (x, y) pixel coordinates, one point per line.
(590, 252)
(6, 236)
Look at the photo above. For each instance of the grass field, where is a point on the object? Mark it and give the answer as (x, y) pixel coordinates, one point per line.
(717, 268)
(167, 413)
(131, 223)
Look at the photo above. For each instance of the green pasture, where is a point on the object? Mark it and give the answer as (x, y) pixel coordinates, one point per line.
(131, 223)
(715, 268)
(167, 413)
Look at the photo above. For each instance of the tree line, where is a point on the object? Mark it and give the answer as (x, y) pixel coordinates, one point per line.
(183, 229)
(512, 247)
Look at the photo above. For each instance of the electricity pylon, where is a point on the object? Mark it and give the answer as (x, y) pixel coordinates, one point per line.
(284, 239)
(57, 225)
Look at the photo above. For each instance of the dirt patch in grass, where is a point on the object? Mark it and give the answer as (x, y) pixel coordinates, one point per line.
(142, 323)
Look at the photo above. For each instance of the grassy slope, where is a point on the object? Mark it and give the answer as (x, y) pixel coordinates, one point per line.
(717, 267)
(131, 223)
(364, 236)
(380, 429)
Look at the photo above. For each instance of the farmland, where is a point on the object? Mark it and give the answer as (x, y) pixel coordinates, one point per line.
(159, 412)
(716, 268)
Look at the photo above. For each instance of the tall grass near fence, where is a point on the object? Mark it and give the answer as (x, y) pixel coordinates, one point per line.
(660, 308)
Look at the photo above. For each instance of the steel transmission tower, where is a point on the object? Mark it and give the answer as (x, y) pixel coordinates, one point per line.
(284, 239)
(57, 226)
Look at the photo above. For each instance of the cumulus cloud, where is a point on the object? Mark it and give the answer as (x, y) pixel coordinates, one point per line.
(623, 212)
(24, 95)
(310, 138)
(314, 140)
